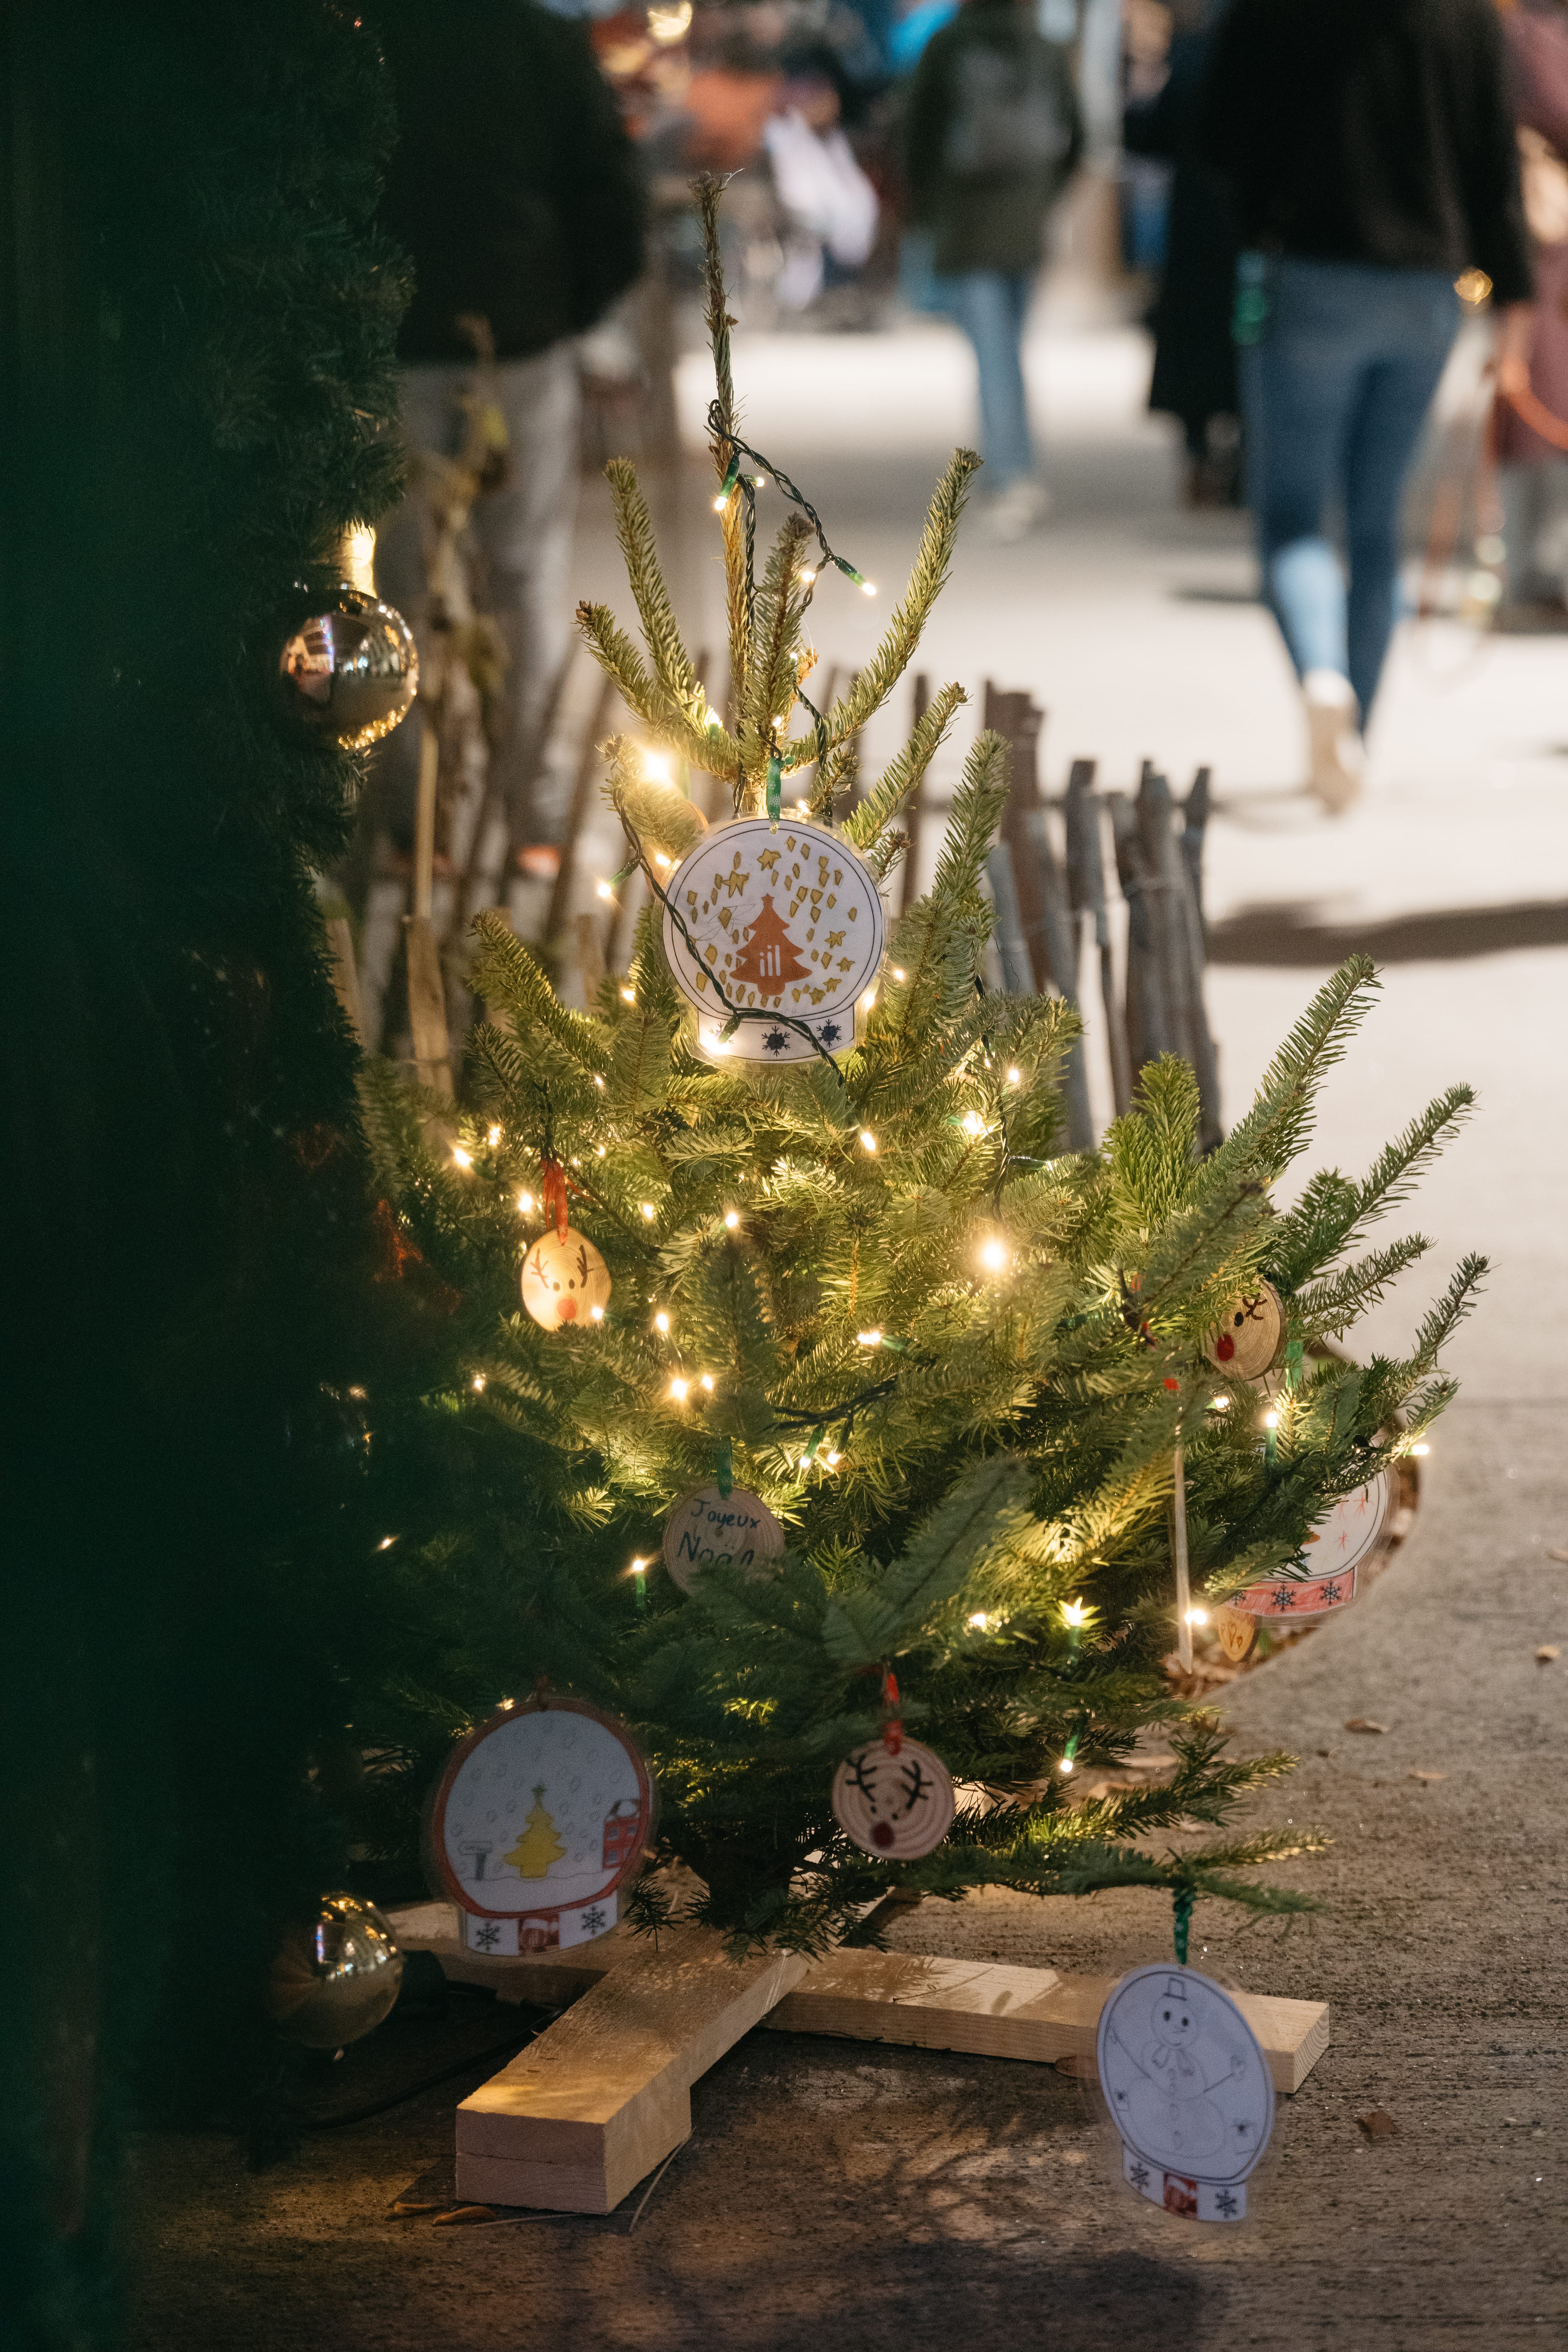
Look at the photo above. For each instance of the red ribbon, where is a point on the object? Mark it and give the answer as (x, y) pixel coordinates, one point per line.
(554, 1185)
(892, 1733)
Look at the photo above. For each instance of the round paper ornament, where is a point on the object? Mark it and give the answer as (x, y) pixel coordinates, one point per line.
(1339, 1548)
(350, 674)
(333, 1983)
(896, 1803)
(787, 919)
(543, 1814)
(1246, 1341)
(1188, 2088)
(708, 1529)
(564, 1280)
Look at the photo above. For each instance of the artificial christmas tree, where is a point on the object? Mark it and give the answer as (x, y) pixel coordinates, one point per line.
(969, 1374)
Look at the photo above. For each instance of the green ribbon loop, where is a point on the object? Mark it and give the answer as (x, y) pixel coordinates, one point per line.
(1182, 1901)
(776, 785)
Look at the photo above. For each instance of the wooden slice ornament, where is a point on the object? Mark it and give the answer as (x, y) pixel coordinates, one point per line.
(787, 919)
(543, 1814)
(564, 1280)
(708, 1529)
(1339, 1551)
(1235, 1629)
(1247, 1338)
(896, 1801)
(1188, 2088)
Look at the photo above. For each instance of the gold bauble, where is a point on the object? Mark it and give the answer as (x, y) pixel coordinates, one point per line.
(333, 1983)
(564, 1280)
(350, 674)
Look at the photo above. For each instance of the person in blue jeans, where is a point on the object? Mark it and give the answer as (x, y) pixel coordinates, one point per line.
(992, 135)
(1369, 148)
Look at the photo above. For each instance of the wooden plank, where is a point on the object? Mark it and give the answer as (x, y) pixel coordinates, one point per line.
(427, 1005)
(584, 2113)
(979, 2008)
(995, 2011)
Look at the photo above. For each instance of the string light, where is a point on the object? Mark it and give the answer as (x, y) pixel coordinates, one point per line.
(598, 1081)
(869, 1000)
(661, 1321)
(867, 1141)
(869, 1339)
(1197, 1616)
(493, 1137)
(479, 1383)
(807, 576)
(833, 1460)
(980, 1622)
(649, 1212)
(1421, 1449)
(1074, 1612)
(525, 1202)
(1270, 1421)
(1065, 1764)
(719, 503)
(669, 22)
(464, 1158)
(598, 1152)
(507, 1704)
(1219, 1404)
(386, 1543)
(730, 1219)
(994, 1254)
(638, 1574)
(804, 807)
(899, 973)
(660, 859)
(677, 1390)
(868, 587)
(971, 1123)
(708, 1383)
(596, 1314)
(1015, 1078)
(655, 767)
(628, 996)
(602, 890)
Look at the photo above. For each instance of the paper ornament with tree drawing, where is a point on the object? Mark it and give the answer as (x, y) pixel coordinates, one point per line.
(786, 920)
(542, 1814)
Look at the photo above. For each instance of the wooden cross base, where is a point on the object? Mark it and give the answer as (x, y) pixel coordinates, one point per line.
(604, 2095)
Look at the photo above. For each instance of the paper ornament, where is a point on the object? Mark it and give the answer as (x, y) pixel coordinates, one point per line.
(708, 1529)
(564, 1280)
(896, 1803)
(1246, 1339)
(1188, 2089)
(788, 920)
(542, 1814)
(1339, 1548)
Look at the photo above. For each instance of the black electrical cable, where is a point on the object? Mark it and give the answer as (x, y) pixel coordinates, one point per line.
(427, 2083)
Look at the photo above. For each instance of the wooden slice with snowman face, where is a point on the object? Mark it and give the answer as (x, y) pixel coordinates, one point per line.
(1247, 1338)
(897, 1805)
(565, 1281)
(1188, 2088)
(708, 1529)
(787, 919)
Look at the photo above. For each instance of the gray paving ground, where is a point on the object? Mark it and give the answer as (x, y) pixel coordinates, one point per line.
(839, 2197)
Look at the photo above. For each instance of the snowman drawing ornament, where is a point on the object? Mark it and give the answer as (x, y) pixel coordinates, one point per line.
(1189, 2091)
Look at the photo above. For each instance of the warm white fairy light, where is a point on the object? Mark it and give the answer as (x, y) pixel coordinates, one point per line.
(1015, 1078)
(628, 996)
(732, 1219)
(1197, 1616)
(598, 1152)
(598, 1080)
(386, 1543)
(707, 1382)
(868, 587)
(464, 1158)
(833, 1460)
(656, 766)
(1065, 1764)
(867, 1141)
(602, 890)
(640, 1568)
(994, 1254)
(980, 1622)
(869, 1339)
(804, 807)
(808, 577)
(661, 1321)
(596, 1314)
(649, 1212)
(669, 20)
(1075, 1612)
(719, 503)
(868, 1001)
(899, 973)
(1270, 1421)
(493, 1137)
(971, 1123)
(525, 1204)
(507, 1705)
(479, 1383)
(677, 1390)
(1421, 1449)
(1219, 1404)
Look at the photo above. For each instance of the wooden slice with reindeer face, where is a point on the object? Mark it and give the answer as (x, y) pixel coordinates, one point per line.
(895, 1805)
(565, 1281)
(1247, 1338)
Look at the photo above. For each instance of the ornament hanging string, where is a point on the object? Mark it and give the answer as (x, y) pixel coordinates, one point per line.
(1182, 1901)
(892, 1730)
(554, 1186)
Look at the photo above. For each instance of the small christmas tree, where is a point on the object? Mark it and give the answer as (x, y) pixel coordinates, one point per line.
(955, 1363)
(538, 1849)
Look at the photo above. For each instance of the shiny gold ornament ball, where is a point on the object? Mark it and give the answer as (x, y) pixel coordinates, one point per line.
(348, 676)
(333, 1983)
(565, 1281)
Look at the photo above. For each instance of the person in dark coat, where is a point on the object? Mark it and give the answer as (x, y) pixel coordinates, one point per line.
(1369, 147)
(1532, 470)
(994, 136)
(1194, 375)
(515, 190)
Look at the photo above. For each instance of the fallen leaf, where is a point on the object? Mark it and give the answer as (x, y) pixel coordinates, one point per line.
(462, 2213)
(1557, 1555)
(1547, 1652)
(1419, 1775)
(1364, 1723)
(1328, 1751)
(413, 2207)
(1080, 2065)
(1378, 2124)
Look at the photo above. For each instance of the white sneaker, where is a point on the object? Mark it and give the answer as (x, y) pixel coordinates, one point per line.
(1015, 510)
(1335, 747)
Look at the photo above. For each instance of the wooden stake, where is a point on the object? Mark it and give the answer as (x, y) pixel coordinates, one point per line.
(345, 975)
(1178, 1517)
(427, 1005)
(590, 959)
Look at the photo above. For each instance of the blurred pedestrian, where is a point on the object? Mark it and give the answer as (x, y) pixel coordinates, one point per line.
(993, 135)
(1194, 376)
(1533, 469)
(1369, 145)
(514, 189)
